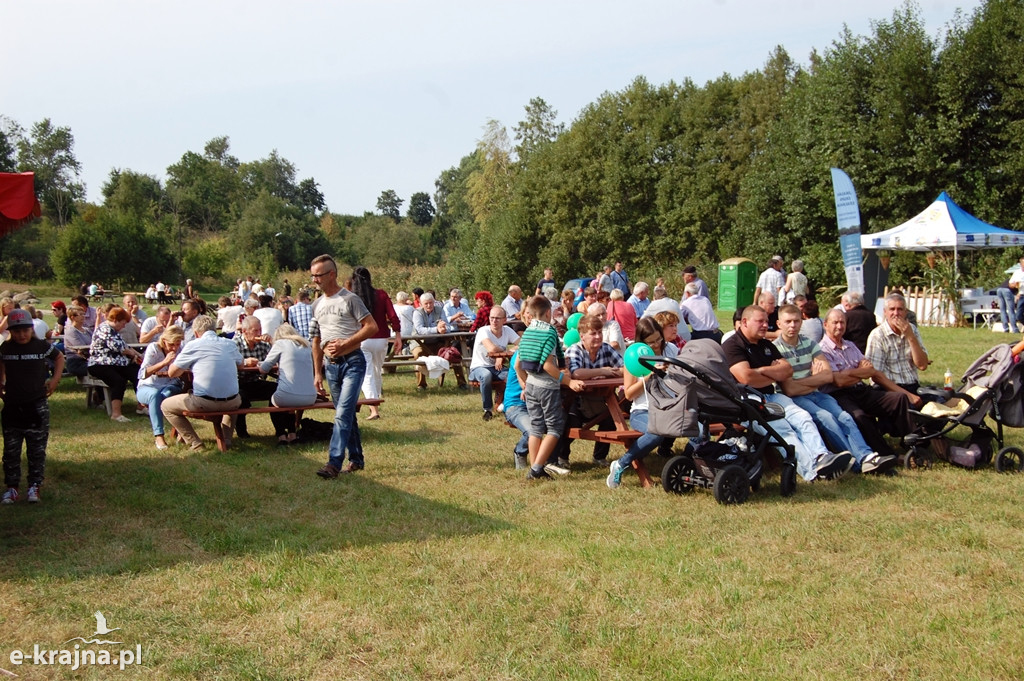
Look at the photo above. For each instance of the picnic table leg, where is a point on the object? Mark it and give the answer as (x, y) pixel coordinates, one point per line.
(642, 474)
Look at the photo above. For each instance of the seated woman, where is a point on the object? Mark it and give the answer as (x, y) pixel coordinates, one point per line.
(111, 360)
(293, 357)
(484, 302)
(154, 384)
(647, 331)
(76, 335)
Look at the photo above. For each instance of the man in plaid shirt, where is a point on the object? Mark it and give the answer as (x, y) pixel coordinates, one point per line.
(252, 385)
(895, 348)
(300, 313)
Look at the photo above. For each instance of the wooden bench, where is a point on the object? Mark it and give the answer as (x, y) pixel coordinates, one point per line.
(93, 384)
(214, 417)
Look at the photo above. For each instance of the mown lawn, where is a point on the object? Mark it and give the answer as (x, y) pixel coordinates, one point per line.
(440, 561)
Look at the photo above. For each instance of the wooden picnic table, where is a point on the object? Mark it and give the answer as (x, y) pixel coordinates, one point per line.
(393, 360)
(622, 435)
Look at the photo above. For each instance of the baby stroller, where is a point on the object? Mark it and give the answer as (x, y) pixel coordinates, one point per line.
(992, 386)
(697, 389)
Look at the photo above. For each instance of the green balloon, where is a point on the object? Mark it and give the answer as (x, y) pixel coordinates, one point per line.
(572, 336)
(574, 320)
(632, 361)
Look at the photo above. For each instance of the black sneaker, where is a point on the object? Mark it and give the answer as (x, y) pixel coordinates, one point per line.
(487, 415)
(537, 475)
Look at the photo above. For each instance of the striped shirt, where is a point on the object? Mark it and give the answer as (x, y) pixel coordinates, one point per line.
(799, 356)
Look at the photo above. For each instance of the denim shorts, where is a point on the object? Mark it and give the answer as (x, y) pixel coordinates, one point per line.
(547, 417)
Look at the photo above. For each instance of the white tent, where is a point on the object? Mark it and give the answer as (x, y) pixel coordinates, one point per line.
(942, 226)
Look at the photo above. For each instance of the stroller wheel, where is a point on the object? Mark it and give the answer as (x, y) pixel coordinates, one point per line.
(732, 485)
(917, 457)
(788, 483)
(1010, 460)
(672, 478)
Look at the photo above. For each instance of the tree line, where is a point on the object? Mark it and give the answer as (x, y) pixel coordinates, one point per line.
(657, 176)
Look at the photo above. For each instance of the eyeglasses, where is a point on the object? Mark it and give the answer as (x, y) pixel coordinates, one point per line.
(317, 275)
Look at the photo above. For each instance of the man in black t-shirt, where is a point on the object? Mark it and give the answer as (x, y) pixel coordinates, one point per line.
(756, 362)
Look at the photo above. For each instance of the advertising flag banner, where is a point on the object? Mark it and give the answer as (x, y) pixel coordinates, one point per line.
(848, 218)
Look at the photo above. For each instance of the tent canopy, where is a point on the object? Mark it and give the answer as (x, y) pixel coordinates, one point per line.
(942, 226)
(18, 203)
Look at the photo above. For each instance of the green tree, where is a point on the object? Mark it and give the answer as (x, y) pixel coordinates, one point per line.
(135, 193)
(421, 210)
(111, 247)
(390, 205)
(48, 151)
(540, 128)
(9, 134)
(203, 188)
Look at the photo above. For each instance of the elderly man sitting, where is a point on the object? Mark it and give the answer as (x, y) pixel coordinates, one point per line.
(895, 348)
(254, 347)
(495, 337)
(887, 402)
(661, 303)
(639, 299)
(696, 310)
(428, 320)
(214, 363)
(456, 310)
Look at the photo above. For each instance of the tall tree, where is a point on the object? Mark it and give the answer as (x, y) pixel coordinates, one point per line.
(390, 205)
(10, 131)
(540, 128)
(48, 151)
(135, 193)
(421, 210)
(203, 187)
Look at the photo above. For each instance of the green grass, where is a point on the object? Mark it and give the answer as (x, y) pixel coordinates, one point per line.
(440, 561)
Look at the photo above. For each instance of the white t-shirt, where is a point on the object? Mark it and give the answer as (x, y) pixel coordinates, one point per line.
(228, 317)
(270, 318)
(480, 358)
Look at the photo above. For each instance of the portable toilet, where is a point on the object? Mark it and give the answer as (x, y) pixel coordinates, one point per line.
(737, 278)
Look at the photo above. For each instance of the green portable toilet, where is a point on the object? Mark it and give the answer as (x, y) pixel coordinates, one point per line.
(737, 278)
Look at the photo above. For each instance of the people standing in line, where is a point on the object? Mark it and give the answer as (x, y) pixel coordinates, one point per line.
(375, 348)
(340, 324)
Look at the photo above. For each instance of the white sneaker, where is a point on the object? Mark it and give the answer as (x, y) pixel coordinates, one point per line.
(556, 468)
(33, 494)
(614, 475)
(10, 496)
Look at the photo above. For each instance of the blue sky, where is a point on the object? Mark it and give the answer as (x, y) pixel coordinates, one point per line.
(367, 96)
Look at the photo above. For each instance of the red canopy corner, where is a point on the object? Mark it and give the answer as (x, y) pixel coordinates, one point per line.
(18, 202)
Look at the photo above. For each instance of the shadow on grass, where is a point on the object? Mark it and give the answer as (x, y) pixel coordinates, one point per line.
(135, 514)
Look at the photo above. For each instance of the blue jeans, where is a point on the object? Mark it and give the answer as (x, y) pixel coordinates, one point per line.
(344, 378)
(1007, 312)
(154, 397)
(645, 444)
(487, 376)
(799, 430)
(840, 428)
(520, 418)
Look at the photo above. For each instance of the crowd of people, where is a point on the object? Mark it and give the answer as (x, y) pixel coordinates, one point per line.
(333, 336)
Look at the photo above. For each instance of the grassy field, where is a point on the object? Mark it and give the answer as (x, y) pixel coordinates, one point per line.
(440, 561)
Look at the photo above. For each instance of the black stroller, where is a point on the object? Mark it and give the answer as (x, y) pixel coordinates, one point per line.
(992, 386)
(695, 390)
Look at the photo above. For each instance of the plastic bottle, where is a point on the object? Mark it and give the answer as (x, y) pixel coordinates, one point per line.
(947, 380)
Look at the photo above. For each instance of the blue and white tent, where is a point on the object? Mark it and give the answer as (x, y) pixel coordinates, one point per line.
(942, 226)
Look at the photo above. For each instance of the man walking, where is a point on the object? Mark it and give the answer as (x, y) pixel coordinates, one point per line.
(340, 323)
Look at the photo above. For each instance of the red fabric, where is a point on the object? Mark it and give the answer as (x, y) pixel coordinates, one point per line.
(384, 314)
(18, 203)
